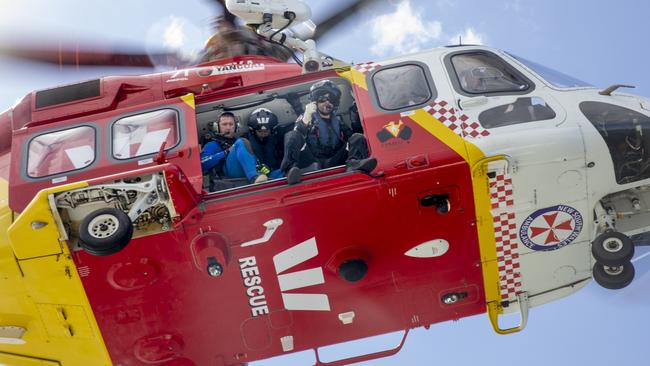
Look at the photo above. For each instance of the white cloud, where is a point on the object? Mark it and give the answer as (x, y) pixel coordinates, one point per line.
(469, 36)
(406, 30)
(402, 31)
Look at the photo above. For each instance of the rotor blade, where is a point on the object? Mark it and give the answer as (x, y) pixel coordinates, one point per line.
(81, 56)
(334, 20)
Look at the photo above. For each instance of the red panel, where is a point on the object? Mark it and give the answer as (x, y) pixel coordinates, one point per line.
(326, 221)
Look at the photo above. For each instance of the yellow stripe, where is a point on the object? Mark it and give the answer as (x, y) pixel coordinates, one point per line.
(480, 185)
(356, 77)
(189, 100)
(443, 133)
(41, 291)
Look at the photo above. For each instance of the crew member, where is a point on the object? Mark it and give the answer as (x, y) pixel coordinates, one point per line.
(320, 138)
(230, 156)
(267, 140)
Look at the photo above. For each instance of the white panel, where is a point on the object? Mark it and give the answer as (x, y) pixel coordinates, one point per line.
(429, 249)
(300, 279)
(121, 147)
(295, 255)
(152, 142)
(287, 343)
(347, 318)
(81, 156)
(314, 302)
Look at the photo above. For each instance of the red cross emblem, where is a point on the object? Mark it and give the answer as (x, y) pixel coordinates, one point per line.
(552, 229)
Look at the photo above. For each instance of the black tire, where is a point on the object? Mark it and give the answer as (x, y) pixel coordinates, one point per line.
(105, 231)
(613, 278)
(612, 248)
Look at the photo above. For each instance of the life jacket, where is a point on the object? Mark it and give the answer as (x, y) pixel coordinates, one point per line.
(325, 137)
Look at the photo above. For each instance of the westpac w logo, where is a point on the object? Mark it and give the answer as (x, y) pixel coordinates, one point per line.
(300, 279)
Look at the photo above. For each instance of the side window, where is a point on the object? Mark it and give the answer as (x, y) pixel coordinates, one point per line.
(144, 133)
(521, 110)
(484, 73)
(402, 87)
(61, 151)
(627, 135)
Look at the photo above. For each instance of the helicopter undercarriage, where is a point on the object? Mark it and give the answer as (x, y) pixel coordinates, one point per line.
(621, 224)
(102, 219)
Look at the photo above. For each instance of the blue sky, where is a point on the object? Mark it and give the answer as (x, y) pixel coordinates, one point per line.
(601, 42)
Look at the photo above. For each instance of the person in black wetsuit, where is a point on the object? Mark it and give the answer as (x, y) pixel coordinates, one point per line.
(266, 136)
(321, 140)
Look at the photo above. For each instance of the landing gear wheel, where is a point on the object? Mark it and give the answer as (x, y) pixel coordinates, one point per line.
(612, 248)
(105, 231)
(613, 278)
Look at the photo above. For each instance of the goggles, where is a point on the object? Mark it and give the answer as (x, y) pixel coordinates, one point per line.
(326, 98)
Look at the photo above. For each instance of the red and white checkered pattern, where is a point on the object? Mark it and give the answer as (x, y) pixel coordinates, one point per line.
(501, 192)
(446, 114)
(472, 129)
(366, 67)
(505, 233)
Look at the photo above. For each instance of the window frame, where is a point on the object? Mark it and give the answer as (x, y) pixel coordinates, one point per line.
(544, 80)
(25, 151)
(453, 74)
(180, 124)
(610, 141)
(433, 91)
(507, 124)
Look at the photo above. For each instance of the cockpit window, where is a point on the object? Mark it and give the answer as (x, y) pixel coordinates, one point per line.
(521, 110)
(145, 133)
(627, 135)
(484, 73)
(555, 78)
(61, 151)
(402, 87)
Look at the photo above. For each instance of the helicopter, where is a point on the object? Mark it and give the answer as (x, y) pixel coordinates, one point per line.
(506, 211)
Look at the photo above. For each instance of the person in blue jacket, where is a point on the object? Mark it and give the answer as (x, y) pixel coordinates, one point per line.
(228, 155)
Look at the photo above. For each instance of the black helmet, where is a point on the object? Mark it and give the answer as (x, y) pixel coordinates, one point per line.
(323, 88)
(262, 119)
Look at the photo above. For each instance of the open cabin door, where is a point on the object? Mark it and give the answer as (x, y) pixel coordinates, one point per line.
(105, 144)
(121, 176)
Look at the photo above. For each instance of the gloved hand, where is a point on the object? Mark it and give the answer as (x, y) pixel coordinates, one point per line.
(263, 169)
(310, 109)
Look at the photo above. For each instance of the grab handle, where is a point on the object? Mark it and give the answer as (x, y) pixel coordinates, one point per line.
(511, 167)
(495, 309)
(367, 357)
